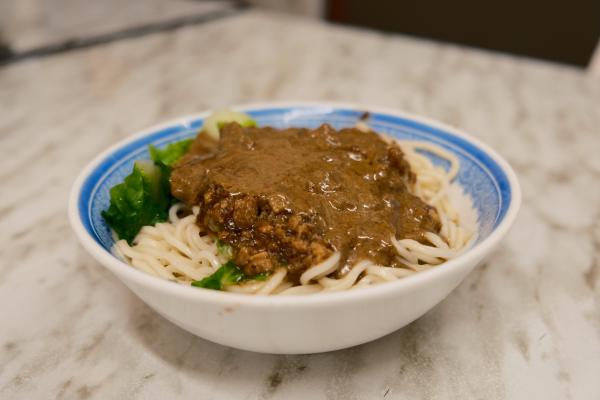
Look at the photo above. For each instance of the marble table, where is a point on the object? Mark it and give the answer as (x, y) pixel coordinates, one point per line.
(526, 325)
(29, 24)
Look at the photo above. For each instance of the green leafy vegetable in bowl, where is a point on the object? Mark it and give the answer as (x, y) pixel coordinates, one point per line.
(259, 277)
(228, 274)
(144, 197)
(171, 153)
(140, 200)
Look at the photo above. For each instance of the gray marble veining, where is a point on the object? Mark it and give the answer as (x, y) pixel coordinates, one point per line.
(525, 325)
(27, 24)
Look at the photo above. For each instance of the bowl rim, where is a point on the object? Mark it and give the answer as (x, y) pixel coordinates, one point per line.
(469, 257)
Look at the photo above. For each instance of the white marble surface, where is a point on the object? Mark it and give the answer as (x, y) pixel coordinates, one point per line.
(524, 326)
(26, 24)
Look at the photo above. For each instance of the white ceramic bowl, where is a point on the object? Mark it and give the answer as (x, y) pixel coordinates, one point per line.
(310, 323)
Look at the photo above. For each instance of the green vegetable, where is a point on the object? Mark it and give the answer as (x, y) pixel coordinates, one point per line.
(140, 200)
(171, 153)
(144, 197)
(258, 277)
(217, 120)
(224, 249)
(228, 274)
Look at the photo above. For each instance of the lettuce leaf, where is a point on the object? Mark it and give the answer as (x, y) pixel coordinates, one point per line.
(144, 197)
(228, 274)
(140, 200)
(170, 154)
(258, 277)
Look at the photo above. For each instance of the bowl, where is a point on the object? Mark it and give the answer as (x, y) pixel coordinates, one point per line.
(315, 322)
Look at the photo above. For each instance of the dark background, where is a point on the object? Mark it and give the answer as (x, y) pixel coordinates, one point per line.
(562, 31)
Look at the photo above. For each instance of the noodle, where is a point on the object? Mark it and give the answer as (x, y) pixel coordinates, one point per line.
(321, 270)
(176, 250)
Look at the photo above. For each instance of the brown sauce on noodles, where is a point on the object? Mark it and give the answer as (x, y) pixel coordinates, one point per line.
(290, 198)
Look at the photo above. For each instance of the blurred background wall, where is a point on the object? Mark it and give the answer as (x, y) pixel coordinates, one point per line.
(563, 31)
